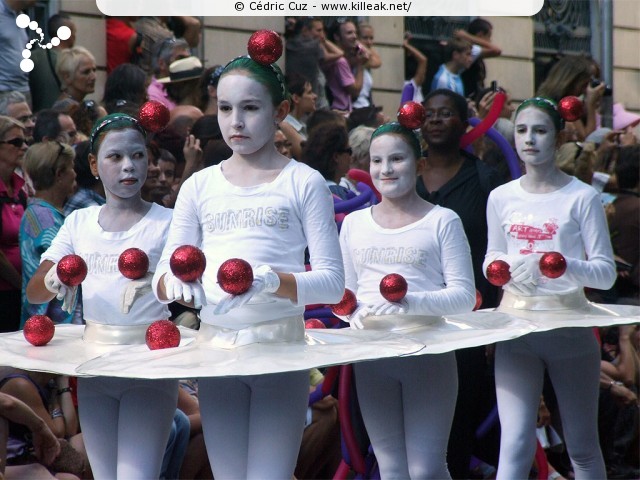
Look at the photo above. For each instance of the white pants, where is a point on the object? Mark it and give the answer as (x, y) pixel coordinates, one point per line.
(126, 424)
(253, 425)
(572, 358)
(407, 405)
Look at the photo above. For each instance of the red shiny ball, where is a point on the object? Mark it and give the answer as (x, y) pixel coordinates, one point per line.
(553, 264)
(265, 47)
(412, 115)
(393, 287)
(162, 334)
(347, 305)
(478, 301)
(498, 273)
(38, 330)
(235, 276)
(71, 270)
(133, 263)
(314, 323)
(154, 116)
(571, 108)
(188, 263)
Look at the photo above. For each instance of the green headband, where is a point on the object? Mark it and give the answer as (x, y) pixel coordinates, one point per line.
(397, 129)
(546, 105)
(113, 121)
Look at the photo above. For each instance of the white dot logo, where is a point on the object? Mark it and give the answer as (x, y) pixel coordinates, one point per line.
(23, 21)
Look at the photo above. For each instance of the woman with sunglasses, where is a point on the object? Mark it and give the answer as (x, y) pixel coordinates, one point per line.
(13, 201)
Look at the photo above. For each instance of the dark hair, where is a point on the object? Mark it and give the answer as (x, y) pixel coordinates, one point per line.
(320, 117)
(479, 25)
(206, 128)
(55, 22)
(47, 125)
(170, 139)
(628, 166)
(84, 177)
(215, 152)
(84, 115)
(321, 146)
(209, 78)
(459, 102)
(126, 82)
(296, 82)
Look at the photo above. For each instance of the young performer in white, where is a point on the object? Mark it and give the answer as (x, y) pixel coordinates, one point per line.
(547, 210)
(407, 403)
(264, 208)
(125, 422)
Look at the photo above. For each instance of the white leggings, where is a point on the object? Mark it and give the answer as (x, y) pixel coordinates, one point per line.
(126, 424)
(253, 425)
(572, 358)
(407, 405)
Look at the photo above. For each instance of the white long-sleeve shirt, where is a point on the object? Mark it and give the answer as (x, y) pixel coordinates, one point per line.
(432, 254)
(101, 290)
(570, 220)
(268, 224)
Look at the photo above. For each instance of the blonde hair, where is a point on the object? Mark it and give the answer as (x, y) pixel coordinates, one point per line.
(43, 160)
(577, 159)
(8, 123)
(68, 62)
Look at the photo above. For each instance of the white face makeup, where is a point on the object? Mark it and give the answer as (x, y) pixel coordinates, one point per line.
(535, 136)
(246, 114)
(393, 166)
(122, 162)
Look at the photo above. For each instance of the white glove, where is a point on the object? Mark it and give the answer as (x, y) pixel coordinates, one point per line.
(63, 292)
(360, 313)
(133, 290)
(526, 269)
(523, 289)
(176, 289)
(264, 280)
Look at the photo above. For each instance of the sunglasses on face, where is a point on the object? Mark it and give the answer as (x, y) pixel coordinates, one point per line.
(16, 142)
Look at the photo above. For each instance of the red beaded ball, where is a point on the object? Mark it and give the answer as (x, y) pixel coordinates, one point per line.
(498, 273)
(162, 334)
(314, 323)
(235, 276)
(571, 108)
(39, 330)
(347, 305)
(265, 47)
(393, 287)
(412, 115)
(154, 116)
(553, 264)
(188, 263)
(72, 270)
(133, 263)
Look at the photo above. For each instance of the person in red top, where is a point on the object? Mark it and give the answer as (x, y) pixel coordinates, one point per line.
(122, 40)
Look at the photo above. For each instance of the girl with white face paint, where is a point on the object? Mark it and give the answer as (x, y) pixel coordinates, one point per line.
(543, 211)
(265, 208)
(125, 434)
(408, 421)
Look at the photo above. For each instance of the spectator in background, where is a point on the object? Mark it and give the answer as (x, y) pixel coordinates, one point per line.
(208, 88)
(14, 105)
(417, 71)
(127, 83)
(320, 117)
(50, 168)
(122, 41)
(283, 145)
(13, 202)
(327, 150)
(182, 83)
(215, 152)
(76, 69)
(458, 58)
(154, 31)
(571, 75)
(43, 80)
(165, 53)
(206, 128)
(13, 39)
(84, 115)
(53, 126)
(479, 33)
(365, 39)
(90, 190)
